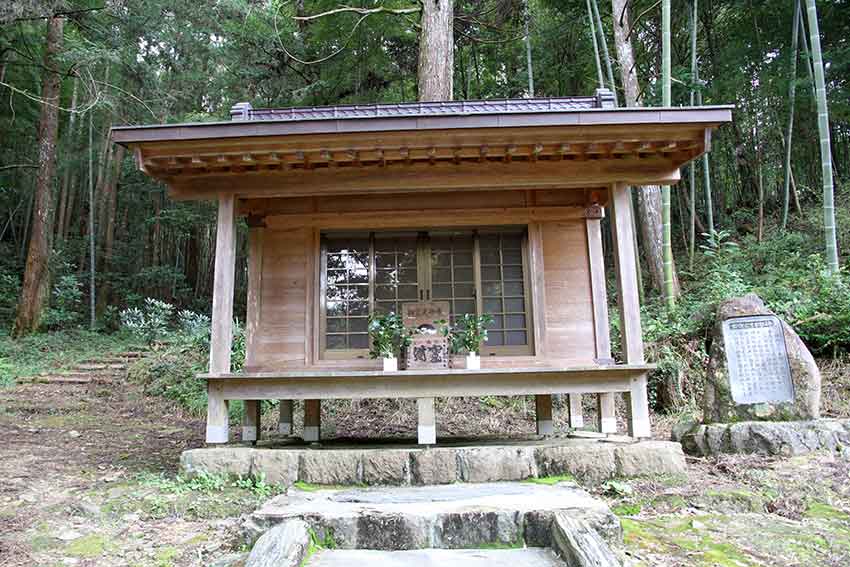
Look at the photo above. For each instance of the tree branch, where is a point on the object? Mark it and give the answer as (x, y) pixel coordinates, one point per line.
(361, 11)
(19, 166)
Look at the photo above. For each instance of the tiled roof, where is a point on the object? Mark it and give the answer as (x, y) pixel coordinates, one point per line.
(602, 99)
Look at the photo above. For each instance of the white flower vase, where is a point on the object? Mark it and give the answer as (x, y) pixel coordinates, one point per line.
(390, 364)
(473, 361)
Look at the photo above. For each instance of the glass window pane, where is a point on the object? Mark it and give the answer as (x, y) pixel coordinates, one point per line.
(335, 308)
(492, 306)
(497, 322)
(463, 274)
(336, 341)
(336, 325)
(407, 291)
(384, 292)
(516, 338)
(441, 291)
(464, 290)
(489, 257)
(359, 341)
(495, 338)
(463, 306)
(515, 321)
(512, 256)
(490, 273)
(463, 258)
(358, 308)
(514, 289)
(492, 289)
(441, 275)
(512, 272)
(384, 306)
(515, 305)
(358, 325)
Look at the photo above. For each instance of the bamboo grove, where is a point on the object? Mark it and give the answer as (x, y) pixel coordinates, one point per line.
(108, 237)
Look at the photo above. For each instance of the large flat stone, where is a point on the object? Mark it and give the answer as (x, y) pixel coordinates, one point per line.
(388, 467)
(488, 464)
(447, 516)
(765, 437)
(592, 463)
(333, 467)
(277, 467)
(530, 557)
(434, 466)
(650, 458)
(285, 545)
(217, 460)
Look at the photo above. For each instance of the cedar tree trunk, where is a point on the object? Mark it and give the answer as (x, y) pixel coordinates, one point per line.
(36, 286)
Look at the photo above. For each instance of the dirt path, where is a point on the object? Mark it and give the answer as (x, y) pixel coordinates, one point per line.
(81, 468)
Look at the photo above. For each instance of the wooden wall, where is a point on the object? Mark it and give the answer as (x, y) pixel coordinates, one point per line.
(283, 272)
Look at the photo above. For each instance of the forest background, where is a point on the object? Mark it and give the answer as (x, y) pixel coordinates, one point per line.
(91, 64)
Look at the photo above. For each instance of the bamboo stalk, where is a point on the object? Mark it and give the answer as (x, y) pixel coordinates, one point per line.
(792, 91)
(608, 69)
(666, 95)
(825, 147)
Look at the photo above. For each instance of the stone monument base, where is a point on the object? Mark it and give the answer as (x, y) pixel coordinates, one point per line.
(764, 437)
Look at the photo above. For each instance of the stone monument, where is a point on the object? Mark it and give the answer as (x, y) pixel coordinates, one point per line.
(762, 389)
(750, 379)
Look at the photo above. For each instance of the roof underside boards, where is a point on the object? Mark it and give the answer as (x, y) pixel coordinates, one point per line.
(278, 153)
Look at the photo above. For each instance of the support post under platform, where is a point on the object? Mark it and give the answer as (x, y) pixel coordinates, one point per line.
(543, 407)
(427, 423)
(312, 420)
(284, 424)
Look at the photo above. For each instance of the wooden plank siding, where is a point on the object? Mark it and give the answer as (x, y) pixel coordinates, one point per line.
(284, 313)
(569, 297)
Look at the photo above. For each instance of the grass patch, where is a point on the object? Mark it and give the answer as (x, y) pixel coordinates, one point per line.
(55, 351)
(551, 480)
(310, 487)
(821, 511)
(89, 547)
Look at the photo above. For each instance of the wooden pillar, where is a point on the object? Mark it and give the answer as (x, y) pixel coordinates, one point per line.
(543, 407)
(251, 420)
(427, 424)
(629, 304)
(284, 424)
(606, 420)
(576, 417)
(312, 420)
(221, 333)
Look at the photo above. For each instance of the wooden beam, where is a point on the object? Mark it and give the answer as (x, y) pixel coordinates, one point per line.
(629, 306)
(221, 334)
(349, 384)
(418, 177)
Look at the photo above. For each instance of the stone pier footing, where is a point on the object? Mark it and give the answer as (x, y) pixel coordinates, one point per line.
(587, 460)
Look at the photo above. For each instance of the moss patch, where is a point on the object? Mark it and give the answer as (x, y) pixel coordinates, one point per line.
(89, 546)
(551, 480)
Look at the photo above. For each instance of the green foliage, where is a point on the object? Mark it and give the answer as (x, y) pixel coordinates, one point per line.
(172, 371)
(66, 303)
(470, 332)
(387, 335)
(150, 323)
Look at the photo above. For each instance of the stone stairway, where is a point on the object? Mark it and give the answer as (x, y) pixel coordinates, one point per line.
(532, 556)
(105, 369)
(487, 524)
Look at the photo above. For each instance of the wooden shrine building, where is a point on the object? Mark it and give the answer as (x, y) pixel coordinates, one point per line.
(493, 206)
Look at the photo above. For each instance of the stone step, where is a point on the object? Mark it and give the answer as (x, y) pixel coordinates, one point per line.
(101, 366)
(526, 557)
(455, 516)
(67, 379)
